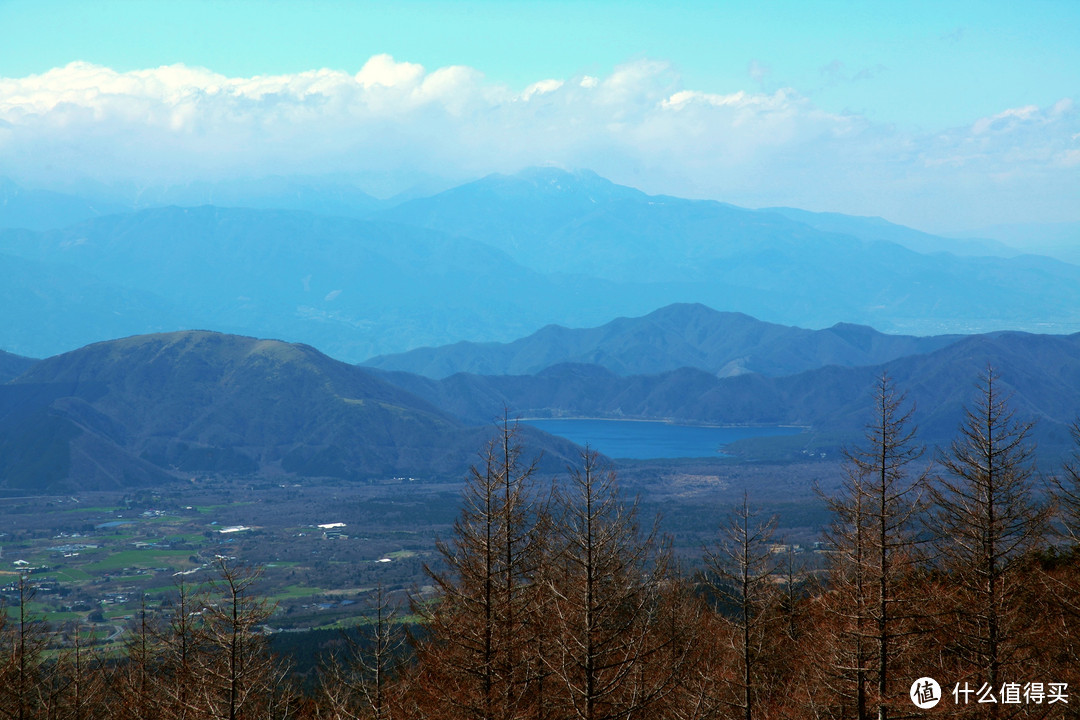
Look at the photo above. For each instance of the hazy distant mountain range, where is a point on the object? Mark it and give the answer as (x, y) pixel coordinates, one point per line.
(1060, 240)
(871, 228)
(555, 221)
(492, 260)
(47, 210)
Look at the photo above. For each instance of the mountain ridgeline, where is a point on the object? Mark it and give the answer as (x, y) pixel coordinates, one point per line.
(151, 409)
(690, 364)
(495, 259)
(12, 366)
(686, 335)
(536, 265)
(1041, 372)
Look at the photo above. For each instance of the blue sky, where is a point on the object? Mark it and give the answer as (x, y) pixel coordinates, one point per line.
(943, 115)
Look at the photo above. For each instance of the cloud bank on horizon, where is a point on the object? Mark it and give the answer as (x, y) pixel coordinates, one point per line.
(639, 125)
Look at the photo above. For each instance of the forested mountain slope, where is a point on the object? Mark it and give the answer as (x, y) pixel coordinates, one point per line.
(1042, 372)
(149, 409)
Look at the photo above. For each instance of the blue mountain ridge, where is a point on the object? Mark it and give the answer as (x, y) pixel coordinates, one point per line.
(495, 260)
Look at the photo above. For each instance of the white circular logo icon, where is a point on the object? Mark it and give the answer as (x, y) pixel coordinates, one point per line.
(925, 693)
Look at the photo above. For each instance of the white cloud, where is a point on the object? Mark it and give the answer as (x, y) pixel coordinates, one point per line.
(541, 88)
(385, 71)
(1006, 120)
(785, 101)
(638, 125)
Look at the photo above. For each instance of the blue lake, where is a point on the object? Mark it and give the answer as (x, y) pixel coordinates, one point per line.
(641, 440)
